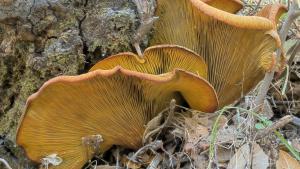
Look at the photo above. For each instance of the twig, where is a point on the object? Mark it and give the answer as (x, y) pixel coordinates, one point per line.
(145, 10)
(296, 26)
(117, 158)
(171, 112)
(154, 163)
(293, 13)
(295, 50)
(256, 7)
(5, 163)
(278, 124)
(166, 122)
(151, 146)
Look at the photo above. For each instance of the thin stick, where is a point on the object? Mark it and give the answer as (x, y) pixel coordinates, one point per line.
(278, 124)
(295, 50)
(256, 7)
(155, 162)
(153, 146)
(5, 163)
(296, 26)
(166, 122)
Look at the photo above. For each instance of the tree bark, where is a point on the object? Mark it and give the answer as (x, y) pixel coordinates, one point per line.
(41, 39)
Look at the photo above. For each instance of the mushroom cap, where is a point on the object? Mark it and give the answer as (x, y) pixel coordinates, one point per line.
(231, 6)
(115, 104)
(157, 60)
(272, 12)
(237, 49)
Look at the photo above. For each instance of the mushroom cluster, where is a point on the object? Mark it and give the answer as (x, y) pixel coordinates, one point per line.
(215, 56)
(237, 49)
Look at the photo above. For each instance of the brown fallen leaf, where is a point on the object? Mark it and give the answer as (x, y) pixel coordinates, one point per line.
(200, 161)
(243, 158)
(224, 154)
(267, 109)
(152, 128)
(195, 132)
(227, 135)
(128, 163)
(106, 167)
(285, 161)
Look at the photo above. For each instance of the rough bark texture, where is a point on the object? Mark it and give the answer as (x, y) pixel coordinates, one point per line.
(41, 39)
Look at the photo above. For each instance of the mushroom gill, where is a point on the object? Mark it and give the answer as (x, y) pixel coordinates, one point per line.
(238, 50)
(114, 104)
(157, 60)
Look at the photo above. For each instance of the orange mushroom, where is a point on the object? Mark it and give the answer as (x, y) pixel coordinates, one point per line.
(237, 49)
(272, 12)
(157, 60)
(231, 6)
(76, 117)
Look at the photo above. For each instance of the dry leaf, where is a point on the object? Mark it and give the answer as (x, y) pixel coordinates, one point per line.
(227, 135)
(151, 127)
(106, 167)
(285, 161)
(267, 110)
(224, 154)
(194, 130)
(259, 160)
(194, 133)
(242, 158)
(222, 121)
(200, 162)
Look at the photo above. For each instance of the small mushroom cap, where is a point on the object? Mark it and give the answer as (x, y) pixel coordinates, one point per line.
(237, 49)
(115, 104)
(157, 60)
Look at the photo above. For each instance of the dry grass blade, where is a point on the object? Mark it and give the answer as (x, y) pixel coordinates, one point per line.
(4, 162)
